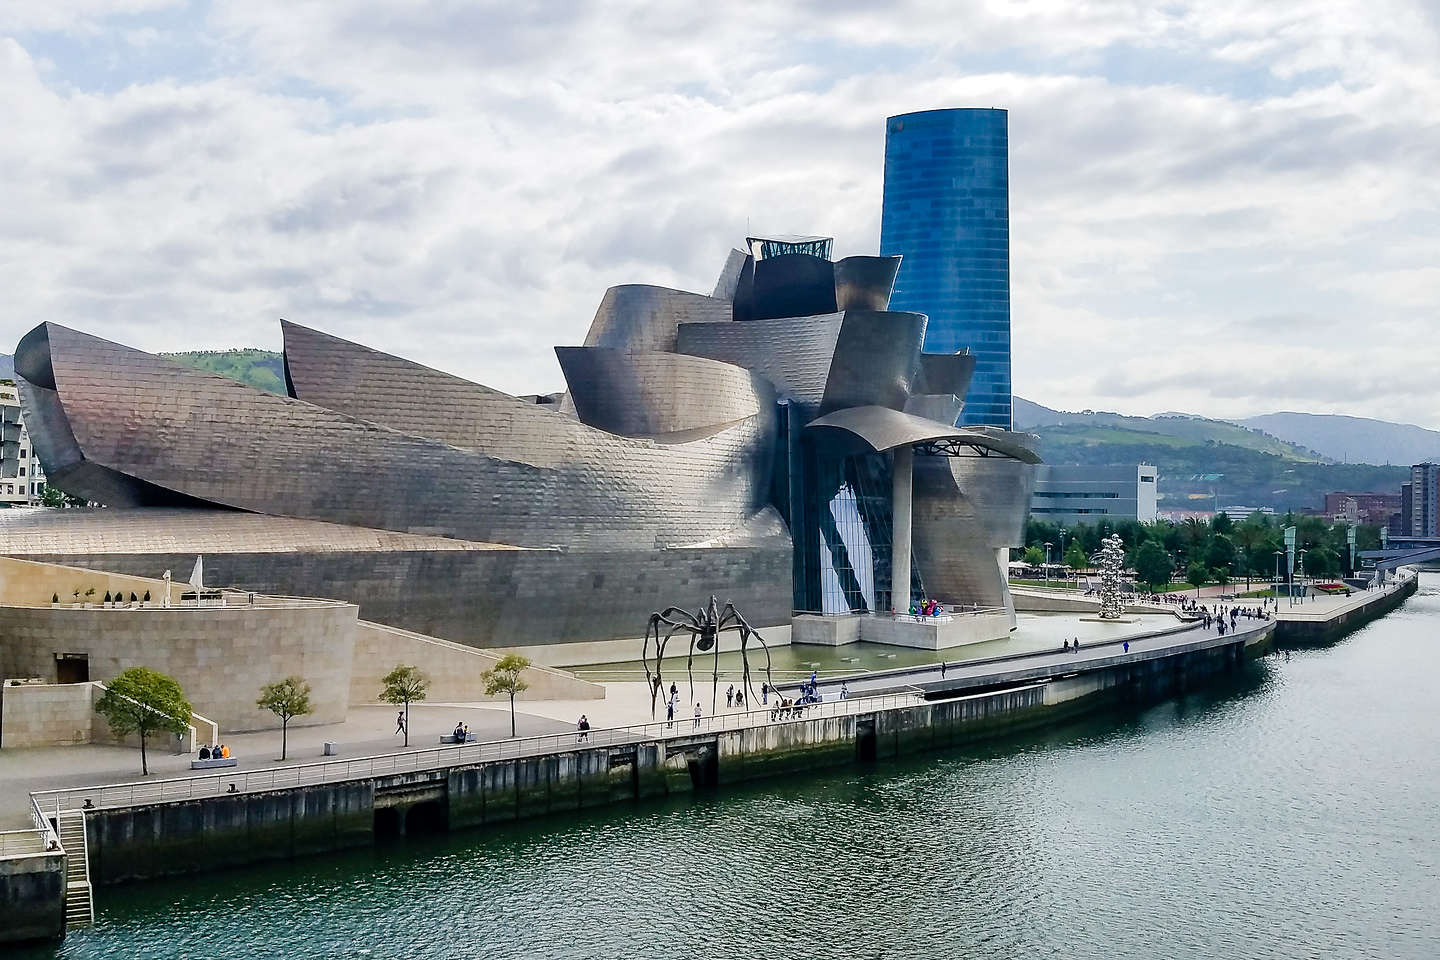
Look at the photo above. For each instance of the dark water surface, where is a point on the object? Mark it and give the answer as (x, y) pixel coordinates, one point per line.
(1290, 812)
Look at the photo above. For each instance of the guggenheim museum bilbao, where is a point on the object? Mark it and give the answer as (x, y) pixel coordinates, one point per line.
(783, 443)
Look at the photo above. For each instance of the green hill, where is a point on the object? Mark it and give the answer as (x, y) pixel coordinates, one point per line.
(1115, 428)
(1200, 475)
(259, 368)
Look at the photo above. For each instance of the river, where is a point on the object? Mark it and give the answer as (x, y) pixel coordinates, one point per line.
(1287, 812)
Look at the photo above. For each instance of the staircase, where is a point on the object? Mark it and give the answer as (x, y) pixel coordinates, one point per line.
(79, 903)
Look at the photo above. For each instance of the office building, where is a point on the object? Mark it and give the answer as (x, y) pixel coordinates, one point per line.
(1069, 495)
(22, 479)
(1425, 500)
(946, 211)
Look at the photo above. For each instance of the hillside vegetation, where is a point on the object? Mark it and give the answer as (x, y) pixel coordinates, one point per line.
(258, 368)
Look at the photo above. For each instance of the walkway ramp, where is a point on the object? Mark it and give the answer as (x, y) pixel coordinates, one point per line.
(454, 669)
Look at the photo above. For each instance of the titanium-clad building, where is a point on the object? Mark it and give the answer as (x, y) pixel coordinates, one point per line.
(768, 444)
(947, 213)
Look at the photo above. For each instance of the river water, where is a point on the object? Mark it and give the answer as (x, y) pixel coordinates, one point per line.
(1289, 812)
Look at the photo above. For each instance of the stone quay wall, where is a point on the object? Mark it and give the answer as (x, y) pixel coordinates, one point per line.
(1303, 630)
(144, 841)
(32, 898)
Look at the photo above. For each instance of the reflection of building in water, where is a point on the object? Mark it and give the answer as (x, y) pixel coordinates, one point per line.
(22, 479)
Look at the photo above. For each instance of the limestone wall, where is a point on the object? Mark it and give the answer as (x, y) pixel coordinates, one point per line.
(26, 583)
(453, 668)
(220, 655)
(47, 714)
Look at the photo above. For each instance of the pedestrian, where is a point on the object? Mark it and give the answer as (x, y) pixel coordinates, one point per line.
(1076, 645)
(1066, 647)
(399, 723)
(844, 690)
(730, 696)
(764, 694)
(697, 716)
(673, 692)
(584, 727)
(670, 713)
(942, 669)
(740, 699)
(1127, 646)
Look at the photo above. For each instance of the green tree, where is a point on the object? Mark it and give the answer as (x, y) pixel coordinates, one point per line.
(1222, 524)
(1197, 576)
(1321, 562)
(1075, 557)
(286, 699)
(404, 685)
(1033, 556)
(1220, 552)
(144, 701)
(505, 678)
(1152, 565)
(53, 496)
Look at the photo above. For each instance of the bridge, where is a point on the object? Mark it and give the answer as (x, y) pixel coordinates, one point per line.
(1395, 557)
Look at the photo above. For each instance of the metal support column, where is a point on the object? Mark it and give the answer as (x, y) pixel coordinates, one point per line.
(903, 472)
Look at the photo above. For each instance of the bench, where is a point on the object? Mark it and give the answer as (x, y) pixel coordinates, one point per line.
(451, 738)
(212, 764)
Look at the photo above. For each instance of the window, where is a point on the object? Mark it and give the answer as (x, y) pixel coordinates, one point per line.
(1147, 479)
(22, 471)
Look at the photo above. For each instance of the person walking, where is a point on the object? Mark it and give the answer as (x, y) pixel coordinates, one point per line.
(399, 723)
(670, 713)
(942, 669)
(697, 716)
(730, 696)
(584, 729)
(764, 694)
(1127, 646)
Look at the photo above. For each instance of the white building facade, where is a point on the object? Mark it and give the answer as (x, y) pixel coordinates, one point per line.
(22, 481)
(1070, 495)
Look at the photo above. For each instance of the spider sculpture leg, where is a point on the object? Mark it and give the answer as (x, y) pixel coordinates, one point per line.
(675, 619)
(731, 619)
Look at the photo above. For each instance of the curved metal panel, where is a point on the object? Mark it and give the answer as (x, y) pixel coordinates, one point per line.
(729, 280)
(945, 373)
(793, 285)
(940, 407)
(794, 354)
(213, 439)
(875, 361)
(637, 317)
(865, 283)
(884, 429)
(659, 394)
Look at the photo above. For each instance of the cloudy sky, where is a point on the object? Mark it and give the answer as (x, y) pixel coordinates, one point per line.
(1224, 207)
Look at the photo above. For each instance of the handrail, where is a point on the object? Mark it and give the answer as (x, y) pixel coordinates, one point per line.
(336, 771)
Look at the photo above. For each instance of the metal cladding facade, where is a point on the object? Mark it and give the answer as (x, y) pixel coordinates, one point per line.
(946, 210)
(680, 463)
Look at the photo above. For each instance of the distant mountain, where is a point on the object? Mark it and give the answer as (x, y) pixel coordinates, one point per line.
(1188, 429)
(258, 368)
(1352, 439)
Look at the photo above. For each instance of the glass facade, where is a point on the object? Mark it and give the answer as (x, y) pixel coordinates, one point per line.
(947, 212)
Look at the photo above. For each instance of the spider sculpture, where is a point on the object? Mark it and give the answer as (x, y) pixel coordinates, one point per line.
(704, 626)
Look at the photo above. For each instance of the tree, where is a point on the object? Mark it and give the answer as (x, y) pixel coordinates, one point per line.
(53, 496)
(505, 677)
(1221, 551)
(144, 701)
(1033, 556)
(404, 685)
(1321, 562)
(286, 699)
(1075, 557)
(1152, 564)
(1197, 575)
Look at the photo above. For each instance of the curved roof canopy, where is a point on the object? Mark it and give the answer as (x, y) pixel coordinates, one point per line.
(884, 429)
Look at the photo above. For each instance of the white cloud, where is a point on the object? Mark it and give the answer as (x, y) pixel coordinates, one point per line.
(459, 182)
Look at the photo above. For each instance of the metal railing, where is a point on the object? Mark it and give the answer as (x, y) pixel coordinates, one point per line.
(41, 838)
(435, 758)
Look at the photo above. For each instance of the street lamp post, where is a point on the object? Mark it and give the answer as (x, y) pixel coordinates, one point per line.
(1062, 545)
(1047, 561)
(1302, 574)
(1278, 555)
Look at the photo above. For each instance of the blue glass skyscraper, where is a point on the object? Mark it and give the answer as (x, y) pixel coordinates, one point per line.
(947, 211)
